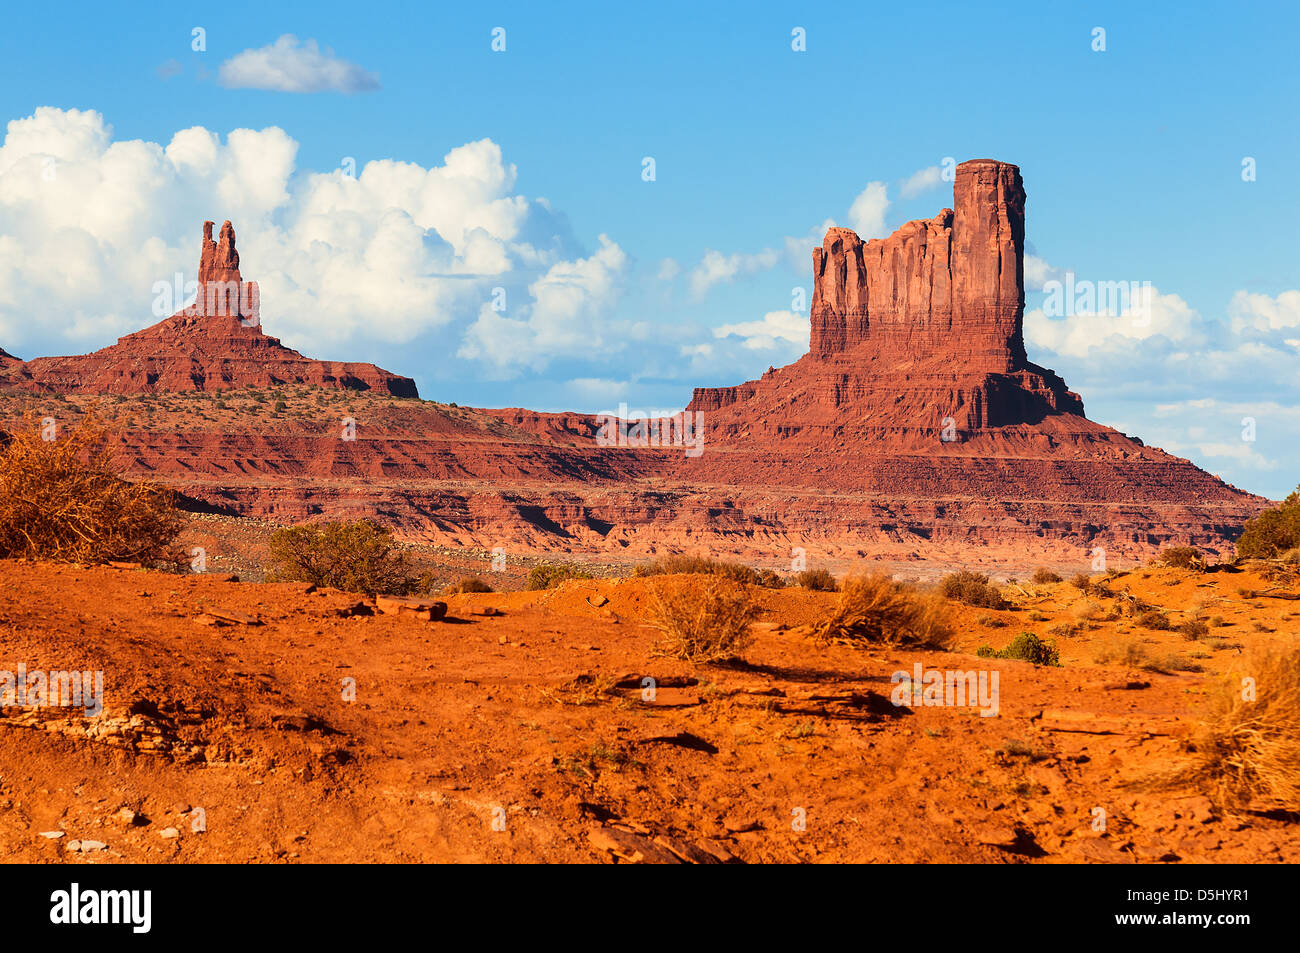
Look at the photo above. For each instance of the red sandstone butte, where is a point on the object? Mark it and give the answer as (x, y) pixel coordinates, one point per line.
(214, 344)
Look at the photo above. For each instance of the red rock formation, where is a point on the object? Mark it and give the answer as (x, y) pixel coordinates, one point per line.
(214, 344)
(921, 326)
(6, 358)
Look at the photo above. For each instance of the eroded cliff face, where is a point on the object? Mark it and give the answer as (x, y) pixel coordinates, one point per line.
(915, 428)
(920, 330)
(215, 343)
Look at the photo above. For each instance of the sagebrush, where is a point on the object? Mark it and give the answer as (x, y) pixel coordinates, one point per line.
(65, 499)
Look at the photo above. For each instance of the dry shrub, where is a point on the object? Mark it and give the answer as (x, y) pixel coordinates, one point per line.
(1082, 581)
(1248, 752)
(1154, 619)
(702, 620)
(1130, 653)
(550, 575)
(972, 588)
(1182, 557)
(466, 584)
(1043, 577)
(875, 608)
(66, 500)
(356, 556)
(1087, 611)
(702, 565)
(818, 580)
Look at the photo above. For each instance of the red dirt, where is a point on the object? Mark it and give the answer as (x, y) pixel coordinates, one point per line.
(453, 720)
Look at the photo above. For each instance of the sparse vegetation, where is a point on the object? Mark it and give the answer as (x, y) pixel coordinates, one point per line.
(702, 620)
(818, 580)
(467, 584)
(1042, 577)
(702, 565)
(1025, 647)
(1248, 749)
(1182, 557)
(66, 500)
(355, 556)
(1082, 581)
(550, 575)
(973, 589)
(1155, 620)
(875, 608)
(1273, 532)
(1194, 629)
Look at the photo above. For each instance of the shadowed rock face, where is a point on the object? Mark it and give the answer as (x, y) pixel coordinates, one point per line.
(214, 344)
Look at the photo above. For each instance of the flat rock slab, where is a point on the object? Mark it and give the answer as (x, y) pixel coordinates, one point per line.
(428, 610)
(1086, 722)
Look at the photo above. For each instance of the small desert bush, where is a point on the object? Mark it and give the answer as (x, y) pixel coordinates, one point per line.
(1065, 630)
(1173, 663)
(973, 589)
(1273, 531)
(1042, 577)
(1194, 629)
(876, 608)
(65, 500)
(550, 575)
(1128, 653)
(1154, 619)
(1248, 749)
(467, 584)
(1087, 611)
(818, 580)
(355, 556)
(1025, 647)
(1082, 581)
(1182, 557)
(702, 620)
(702, 565)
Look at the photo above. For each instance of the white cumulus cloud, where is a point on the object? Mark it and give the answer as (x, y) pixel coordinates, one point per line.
(290, 66)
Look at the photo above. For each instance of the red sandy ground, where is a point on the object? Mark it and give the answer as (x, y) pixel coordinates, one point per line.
(482, 717)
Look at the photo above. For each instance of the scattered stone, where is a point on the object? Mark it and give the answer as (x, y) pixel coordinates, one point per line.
(597, 602)
(427, 610)
(741, 825)
(131, 818)
(630, 847)
(169, 833)
(52, 835)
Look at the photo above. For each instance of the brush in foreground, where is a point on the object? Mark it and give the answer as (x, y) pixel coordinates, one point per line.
(702, 619)
(1248, 750)
(356, 556)
(876, 608)
(65, 500)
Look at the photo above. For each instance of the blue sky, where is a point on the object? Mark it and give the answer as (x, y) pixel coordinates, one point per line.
(625, 290)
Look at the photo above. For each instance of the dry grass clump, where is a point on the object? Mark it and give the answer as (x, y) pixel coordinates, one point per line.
(1043, 577)
(875, 608)
(1082, 581)
(1182, 557)
(550, 575)
(467, 584)
(1087, 611)
(972, 588)
(1248, 751)
(355, 556)
(702, 620)
(702, 565)
(65, 500)
(818, 580)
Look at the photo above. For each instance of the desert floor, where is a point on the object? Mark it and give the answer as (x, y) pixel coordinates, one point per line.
(517, 730)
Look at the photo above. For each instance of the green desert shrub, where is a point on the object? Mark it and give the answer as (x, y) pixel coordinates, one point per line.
(1025, 647)
(355, 556)
(550, 575)
(702, 565)
(1273, 531)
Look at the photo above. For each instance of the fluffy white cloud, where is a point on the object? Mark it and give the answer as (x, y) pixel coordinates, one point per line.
(88, 225)
(921, 181)
(1259, 312)
(775, 328)
(569, 316)
(715, 268)
(867, 213)
(1146, 314)
(288, 66)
